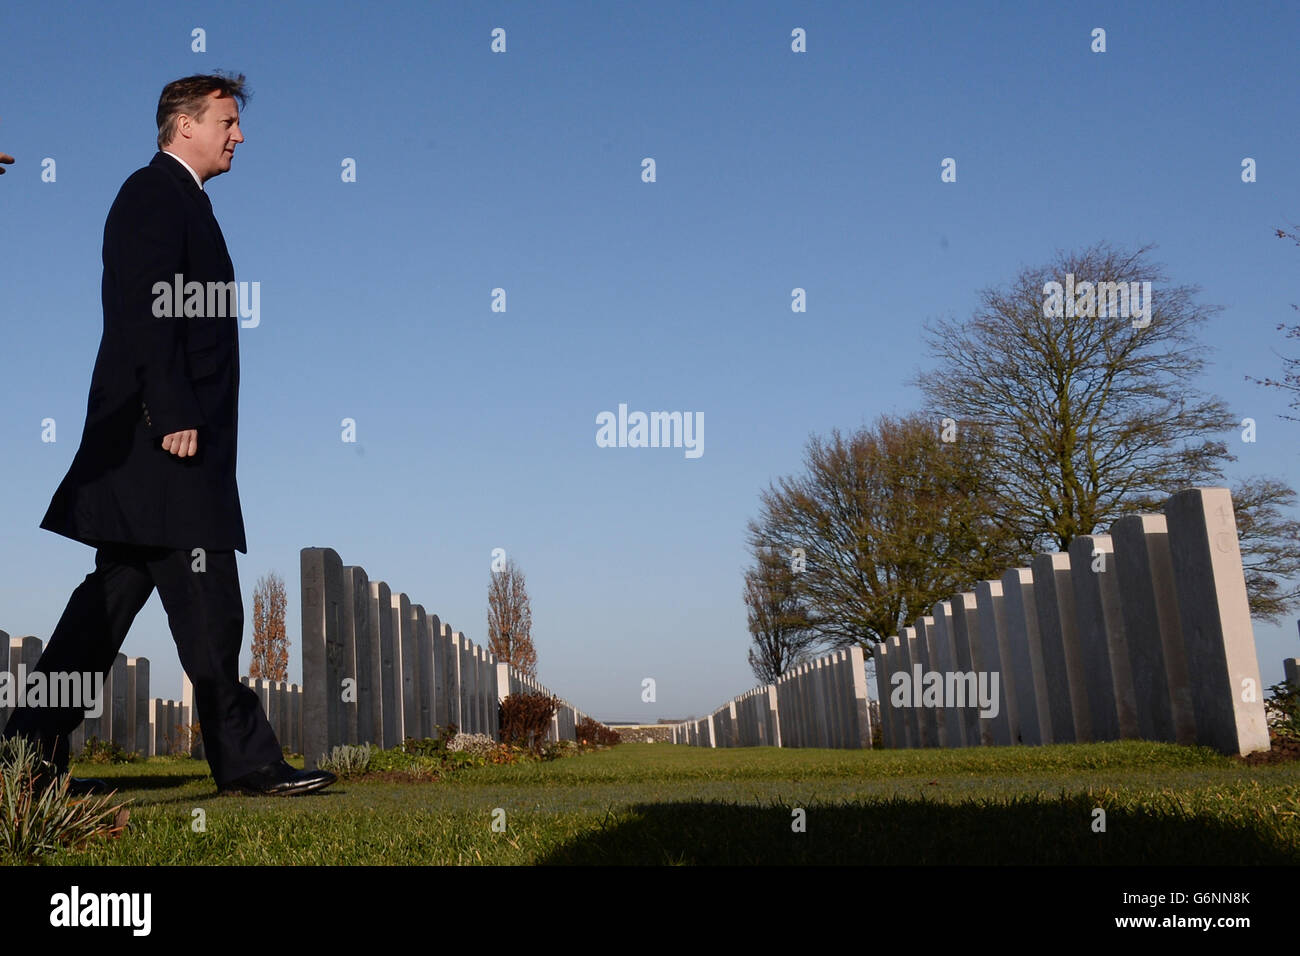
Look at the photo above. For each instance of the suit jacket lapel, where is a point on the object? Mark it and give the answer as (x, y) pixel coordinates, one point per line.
(196, 195)
(216, 228)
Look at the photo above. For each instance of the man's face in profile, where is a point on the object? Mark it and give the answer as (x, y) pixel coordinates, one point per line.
(213, 137)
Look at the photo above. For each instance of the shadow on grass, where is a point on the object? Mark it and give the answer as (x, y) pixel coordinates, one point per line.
(155, 785)
(902, 832)
(144, 782)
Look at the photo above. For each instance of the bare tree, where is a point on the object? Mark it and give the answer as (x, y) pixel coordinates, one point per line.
(890, 521)
(510, 619)
(1270, 546)
(1095, 415)
(778, 621)
(270, 639)
(1291, 378)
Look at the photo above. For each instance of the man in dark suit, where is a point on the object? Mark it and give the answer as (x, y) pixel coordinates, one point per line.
(152, 486)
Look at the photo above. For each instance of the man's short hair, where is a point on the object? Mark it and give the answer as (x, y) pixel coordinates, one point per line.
(189, 95)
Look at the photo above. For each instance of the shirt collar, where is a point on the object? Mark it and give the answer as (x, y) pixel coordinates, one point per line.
(198, 181)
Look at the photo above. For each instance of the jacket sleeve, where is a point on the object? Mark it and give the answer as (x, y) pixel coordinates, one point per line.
(144, 244)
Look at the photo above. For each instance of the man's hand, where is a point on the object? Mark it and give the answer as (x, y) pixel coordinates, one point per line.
(182, 444)
(5, 158)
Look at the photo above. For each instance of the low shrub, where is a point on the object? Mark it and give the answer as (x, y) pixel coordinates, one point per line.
(526, 718)
(346, 760)
(105, 751)
(429, 758)
(1282, 705)
(594, 734)
(559, 748)
(430, 746)
(478, 744)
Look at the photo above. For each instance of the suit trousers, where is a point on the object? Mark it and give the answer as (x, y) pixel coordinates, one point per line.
(205, 612)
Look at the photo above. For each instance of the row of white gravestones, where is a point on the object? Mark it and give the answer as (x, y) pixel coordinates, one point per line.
(821, 703)
(282, 704)
(696, 733)
(378, 669)
(1144, 633)
(746, 721)
(127, 716)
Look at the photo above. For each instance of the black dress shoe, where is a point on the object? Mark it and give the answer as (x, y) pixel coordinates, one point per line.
(280, 780)
(85, 786)
(49, 775)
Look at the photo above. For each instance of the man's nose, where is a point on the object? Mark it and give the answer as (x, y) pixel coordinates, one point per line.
(239, 136)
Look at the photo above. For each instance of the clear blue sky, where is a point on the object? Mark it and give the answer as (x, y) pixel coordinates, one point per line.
(776, 170)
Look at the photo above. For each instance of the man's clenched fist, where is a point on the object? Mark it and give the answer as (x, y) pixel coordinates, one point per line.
(182, 444)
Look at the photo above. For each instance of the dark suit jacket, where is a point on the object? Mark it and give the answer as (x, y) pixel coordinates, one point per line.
(154, 376)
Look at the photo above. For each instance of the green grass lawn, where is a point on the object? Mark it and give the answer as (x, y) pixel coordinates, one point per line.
(665, 804)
